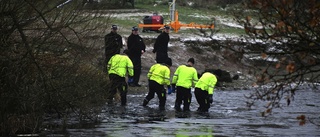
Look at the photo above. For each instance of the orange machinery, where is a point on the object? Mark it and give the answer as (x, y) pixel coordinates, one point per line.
(176, 24)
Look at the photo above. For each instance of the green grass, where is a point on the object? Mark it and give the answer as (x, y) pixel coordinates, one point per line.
(229, 30)
(125, 23)
(186, 15)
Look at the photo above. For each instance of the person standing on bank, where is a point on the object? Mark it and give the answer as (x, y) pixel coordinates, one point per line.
(204, 89)
(161, 45)
(159, 76)
(183, 79)
(118, 66)
(113, 43)
(136, 48)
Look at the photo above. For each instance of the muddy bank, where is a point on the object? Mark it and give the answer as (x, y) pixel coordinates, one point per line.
(207, 55)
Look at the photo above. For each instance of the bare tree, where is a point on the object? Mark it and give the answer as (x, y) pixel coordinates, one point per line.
(48, 62)
(285, 33)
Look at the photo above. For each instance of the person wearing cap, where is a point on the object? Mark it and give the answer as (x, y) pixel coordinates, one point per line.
(118, 66)
(136, 48)
(183, 79)
(161, 45)
(204, 89)
(113, 43)
(159, 77)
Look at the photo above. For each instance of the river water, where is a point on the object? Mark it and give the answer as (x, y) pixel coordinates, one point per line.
(228, 116)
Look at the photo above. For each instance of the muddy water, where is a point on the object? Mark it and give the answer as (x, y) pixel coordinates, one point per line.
(228, 116)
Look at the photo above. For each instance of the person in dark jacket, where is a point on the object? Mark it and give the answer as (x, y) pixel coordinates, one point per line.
(136, 48)
(161, 45)
(113, 43)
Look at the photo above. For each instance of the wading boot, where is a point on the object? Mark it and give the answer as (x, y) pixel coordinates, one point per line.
(186, 108)
(162, 108)
(177, 107)
(145, 102)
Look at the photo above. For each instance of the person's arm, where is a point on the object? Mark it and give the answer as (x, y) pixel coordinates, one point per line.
(106, 39)
(109, 65)
(212, 84)
(195, 77)
(130, 66)
(156, 44)
(167, 77)
(175, 76)
(130, 43)
(120, 42)
(150, 71)
(143, 46)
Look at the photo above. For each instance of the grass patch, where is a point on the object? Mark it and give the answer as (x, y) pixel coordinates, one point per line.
(230, 30)
(187, 14)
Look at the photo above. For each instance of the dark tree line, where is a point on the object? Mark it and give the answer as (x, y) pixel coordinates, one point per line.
(285, 33)
(48, 49)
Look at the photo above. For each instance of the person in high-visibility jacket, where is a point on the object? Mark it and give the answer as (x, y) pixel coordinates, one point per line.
(117, 68)
(183, 79)
(204, 89)
(159, 76)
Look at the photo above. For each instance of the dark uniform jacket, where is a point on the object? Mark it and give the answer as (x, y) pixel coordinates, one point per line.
(135, 46)
(113, 44)
(161, 47)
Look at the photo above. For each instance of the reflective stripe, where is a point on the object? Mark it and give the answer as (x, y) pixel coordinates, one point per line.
(185, 76)
(159, 73)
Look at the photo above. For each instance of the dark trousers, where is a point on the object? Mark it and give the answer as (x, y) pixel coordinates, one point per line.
(155, 87)
(161, 57)
(202, 99)
(183, 94)
(136, 69)
(118, 84)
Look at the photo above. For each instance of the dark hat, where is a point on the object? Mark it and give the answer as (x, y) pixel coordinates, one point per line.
(135, 28)
(166, 27)
(169, 62)
(191, 60)
(114, 27)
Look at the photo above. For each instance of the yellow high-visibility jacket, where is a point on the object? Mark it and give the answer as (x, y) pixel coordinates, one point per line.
(185, 76)
(119, 65)
(159, 73)
(207, 82)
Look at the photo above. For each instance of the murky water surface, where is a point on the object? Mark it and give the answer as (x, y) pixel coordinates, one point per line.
(228, 116)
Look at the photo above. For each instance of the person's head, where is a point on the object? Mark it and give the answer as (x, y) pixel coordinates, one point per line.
(135, 30)
(190, 61)
(114, 28)
(166, 28)
(168, 62)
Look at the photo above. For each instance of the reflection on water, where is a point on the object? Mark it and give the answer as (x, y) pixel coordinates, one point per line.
(228, 116)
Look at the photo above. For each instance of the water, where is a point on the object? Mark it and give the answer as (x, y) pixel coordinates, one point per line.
(229, 116)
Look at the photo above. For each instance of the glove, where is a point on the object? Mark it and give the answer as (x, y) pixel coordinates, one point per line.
(210, 99)
(169, 90)
(130, 80)
(173, 87)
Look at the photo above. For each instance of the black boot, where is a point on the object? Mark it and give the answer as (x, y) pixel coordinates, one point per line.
(162, 108)
(186, 108)
(145, 102)
(177, 107)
